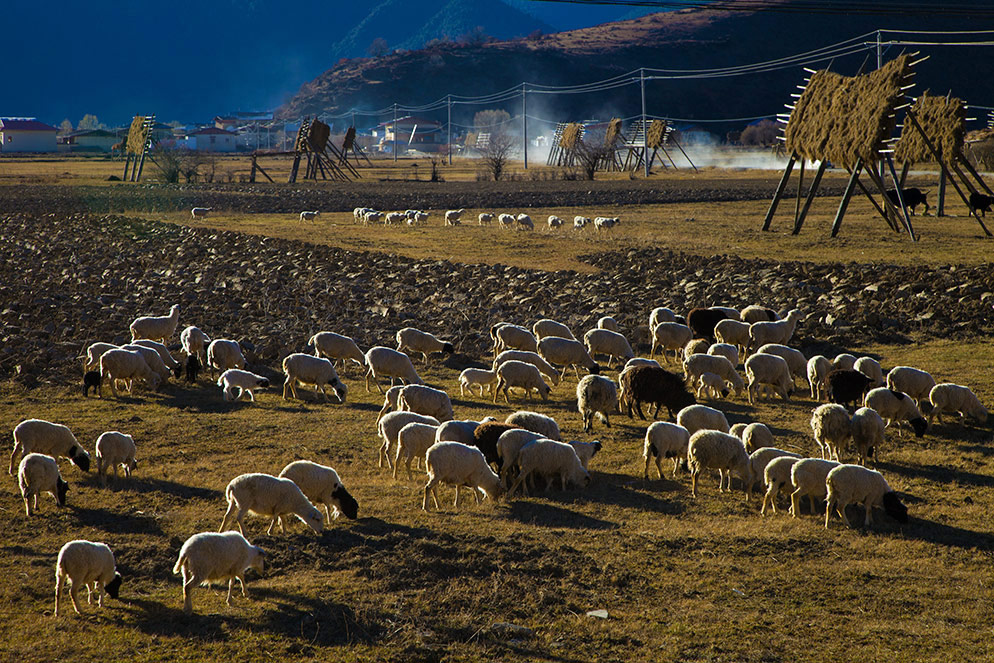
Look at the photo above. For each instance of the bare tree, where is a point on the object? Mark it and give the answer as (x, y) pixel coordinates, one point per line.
(592, 157)
(497, 152)
(378, 47)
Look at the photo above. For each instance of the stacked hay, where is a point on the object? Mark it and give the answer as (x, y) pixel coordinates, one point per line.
(612, 133)
(349, 139)
(137, 136)
(317, 135)
(572, 135)
(656, 135)
(300, 145)
(944, 122)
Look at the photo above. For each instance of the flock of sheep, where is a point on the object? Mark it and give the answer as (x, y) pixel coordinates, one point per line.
(453, 217)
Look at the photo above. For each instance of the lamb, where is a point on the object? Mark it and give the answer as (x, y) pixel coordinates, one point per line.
(844, 361)
(870, 367)
(193, 366)
(867, 434)
(732, 332)
(607, 342)
(389, 426)
(200, 212)
(86, 563)
(533, 421)
(596, 394)
(520, 374)
(585, 451)
(665, 440)
(852, 484)
(223, 353)
(94, 352)
(398, 218)
(512, 337)
(413, 441)
(544, 367)
(336, 347)
(758, 462)
(717, 450)
(579, 222)
(606, 222)
(44, 437)
(506, 220)
(486, 218)
(796, 361)
(425, 400)
(755, 313)
(410, 339)
(151, 358)
(701, 417)
(164, 355)
(388, 362)
(453, 216)
(419, 219)
(696, 365)
(243, 381)
(195, 343)
(726, 350)
(818, 369)
(546, 327)
(776, 476)
(912, 381)
(91, 380)
(807, 477)
(607, 322)
(756, 436)
(525, 222)
(459, 465)
(567, 352)
(670, 336)
(847, 386)
(949, 397)
(509, 444)
(208, 556)
(781, 331)
(322, 485)
(159, 328)
(555, 222)
(661, 314)
(696, 346)
(309, 216)
(832, 429)
(308, 369)
(269, 496)
(476, 376)
(892, 405)
(711, 384)
(550, 458)
(763, 369)
(737, 430)
(126, 365)
(39, 473)
(651, 384)
(114, 448)
(703, 320)
(372, 216)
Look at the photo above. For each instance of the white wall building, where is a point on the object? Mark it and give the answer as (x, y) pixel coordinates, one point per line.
(26, 134)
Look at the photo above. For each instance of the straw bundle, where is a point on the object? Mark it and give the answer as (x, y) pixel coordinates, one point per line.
(612, 132)
(943, 121)
(318, 135)
(136, 135)
(349, 139)
(657, 132)
(572, 134)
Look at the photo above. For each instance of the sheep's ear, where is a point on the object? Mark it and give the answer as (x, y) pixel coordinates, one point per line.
(113, 588)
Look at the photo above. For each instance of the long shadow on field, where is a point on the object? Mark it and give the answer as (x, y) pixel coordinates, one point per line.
(147, 485)
(939, 474)
(551, 515)
(115, 522)
(947, 535)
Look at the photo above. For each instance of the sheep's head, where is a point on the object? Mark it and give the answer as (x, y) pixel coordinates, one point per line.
(725, 392)
(61, 488)
(263, 383)
(340, 390)
(114, 586)
(894, 507)
(132, 464)
(345, 502)
(597, 447)
(257, 558)
(447, 348)
(313, 519)
(79, 457)
(919, 425)
(544, 391)
(178, 371)
(594, 370)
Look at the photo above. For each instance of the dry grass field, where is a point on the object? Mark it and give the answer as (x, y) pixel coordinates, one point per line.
(686, 579)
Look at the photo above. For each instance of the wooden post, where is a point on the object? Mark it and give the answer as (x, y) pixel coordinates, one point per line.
(887, 205)
(252, 174)
(941, 209)
(294, 168)
(900, 198)
(797, 200)
(873, 201)
(685, 156)
(850, 188)
(811, 196)
(904, 174)
(779, 192)
(127, 164)
(976, 175)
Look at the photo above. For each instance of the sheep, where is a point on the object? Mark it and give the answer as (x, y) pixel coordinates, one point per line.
(372, 216)
(390, 401)
(756, 436)
(322, 485)
(410, 339)
(223, 353)
(717, 450)
(413, 440)
(546, 327)
(579, 222)
(485, 438)
(544, 367)
(651, 384)
(94, 351)
(703, 320)
(870, 367)
(661, 314)
(359, 214)
(200, 212)
(389, 426)
(44, 437)
(755, 313)
(726, 350)
(585, 451)
(867, 434)
(308, 369)
(732, 332)
(151, 358)
(711, 384)
(781, 331)
(763, 369)
(425, 400)
(606, 222)
(525, 222)
(596, 394)
(91, 380)
(309, 216)
(396, 219)
(847, 386)
(126, 365)
(536, 422)
(568, 352)
(796, 361)
(459, 465)
(195, 342)
(640, 361)
(486, 218)
(852, 484)
(607, 322)
(270, 496)
(459, 430)
(696, 365)
(156, 328)
(193, 366)
(607, 342)
(209, 556)
(949, 397)
(86, 563)
(554, 222)
(476, 376)
(737, 430)
(730, 312)
(242, 381)
(520, 374)
(670, 336)
(665, 440)
(509, 444)
(759, 460)
(387, 362)
(832, 428)
(506, 220)
(453, 216)
(164, 355)
(818, 369)
(702, 417)
(114, 448)
(512, 337)
(807, 477)
(912, 381)
(39, 473)
(844, 361)
(775, 477)
(336, 347)
(550, 458)
(895, 405)
(696, 346)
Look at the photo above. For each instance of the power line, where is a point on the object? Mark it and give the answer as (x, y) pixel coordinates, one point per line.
(847, 7)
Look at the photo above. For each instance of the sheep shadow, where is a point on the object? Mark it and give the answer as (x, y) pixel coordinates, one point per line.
(939, 474)
(145, 485)
(948, 535)
(116, 523)
(530, 512)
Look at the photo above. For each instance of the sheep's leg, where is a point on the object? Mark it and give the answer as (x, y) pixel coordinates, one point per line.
(251, 397)
(241, 582)
(396, 464)
(456, 503)
(676, 465)
(269, 531)
(693, 482)
(286, 385)
(231, 582)
(72, 595)
(27, 505)
(228, 515)
(410, 475)
(99, 589)
(516, 484)
(795, 503)
(188, 584)
(430, 490)
(645, 474)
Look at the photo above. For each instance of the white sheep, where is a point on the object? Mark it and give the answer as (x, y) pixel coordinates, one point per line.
(640, 361)
(453, 216)
(425, 400)
(661, 314)
(93, 353)
(596, 394)
(818, 369)
(912, 381)
(579, 222)
(607, 342)
(167, 358)
(844, 362)
(44, 437)
(867, 434)
(209, 556)
(702, 417)
(195, 342)
(359, 214)
(223, 353)
(949, 397)
(459, 465)
(413, 441)
(546, 327)
(387, 362)
(200, 212)
(713, 449)
(607, 322)
(737, 430)
(870, 367)
(795, 359)
(157, 328)
(372, 216)
(807, 477)
(151, 358)
(506, 220)
(550, 458)
(832, 428)
(696, 346)
(114, 448)
(776, 476)
(336, 347)
(520, 374)
(235, 379)
(896, 406)
(781, 331)
(670, 336)
(538, 423)
(126, 365)
(410, 339)
(322, 485)
(486, 218)
(513, 337)
(763, 369)
(566, 352)
(509, 445)
(471, 377)
(755, 313)
(712, 385)
(733, 332)
(525, 222)
(665, 440)
(395, 218)
(696, 365)
(756, 436)
(459, 430)
(308, 369)
(533, 358)
(853, 484)
(555, 222)
(726, 350)
(39, 473)
(86, 564)
(758, 462)
(389, 426)
(606, 222)
(309, 216)
(268, 496)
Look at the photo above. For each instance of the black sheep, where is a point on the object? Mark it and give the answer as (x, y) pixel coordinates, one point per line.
(703, 320)
(980, 202)
(651, 384)
(192, 368)
(847, 386)
(485, 439)
(91, 380)
(913, 197)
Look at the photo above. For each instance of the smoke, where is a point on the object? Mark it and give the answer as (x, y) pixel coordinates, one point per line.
(731, 157)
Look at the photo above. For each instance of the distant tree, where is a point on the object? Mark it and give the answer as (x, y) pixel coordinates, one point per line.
(591, 156)
(763, 133)
(170, 164)
(490, 121)
(378, 48)
(436, 61)
(535, 35)
(475, 37)
(88, 123)
(65, 127)
(497, 153)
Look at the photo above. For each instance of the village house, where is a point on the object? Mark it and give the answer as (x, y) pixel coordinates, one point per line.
(26, 134)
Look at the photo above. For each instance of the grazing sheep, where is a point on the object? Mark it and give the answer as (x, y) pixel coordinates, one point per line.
(336, 347)
(852, 484)
(44, 437)
(567, 352)
(126, 365)
(754, 313)
(732, 332)
(796, 362)
(86, 564)
(844, 361)
(832, 429)
(480, 377)
(579, 222)
(485, 438)
(389, 426)
(209, 556)
(458, 430)
(585, 451)
(506, 220)
(151, 358)
(607, 342)
(387, 362)
(654, 385)
(780, 332)
(509, 444)
(398, 218)
(486, 218)
(895, 405)
(453, 216)
(372, 216)
(269, 496)
(762, 369)
(640, 361)
(867, 434)
(546, 327)
(819, 368)
(413, 441)
(307, 369)
(670, 336)
(776, 476)
(713, 385)
(156, 328)
(949, 397)
(554, 222)
(544, 367)
(870, 367)
(737, 430)
(717, 450)
(550, 458)
(193, 366)
(759, 460)
(425, 400)
(114, 448)
(912, 381)
(200, 212)
(322, 485)
(847, 386)
(522, 375)
(807, 476)
(459, 465)
(410, 339)
(223, 353)
(512, 337)
(606, 222)
(696, 346)
(756, 436)
(665, 440)
(94, 351)
(596, 394)
(703, 320)
(607, 322)
(243, 381)
(726, 350)
(39, 473)
(164, 355)
(661, 314)
(536, 422)
(309, 216)
(701, 417)
(525, 222)
(91, 380)
(698, 364)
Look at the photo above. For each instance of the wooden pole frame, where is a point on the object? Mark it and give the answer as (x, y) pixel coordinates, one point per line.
(844, 204)
(815, 183)
(781, 187)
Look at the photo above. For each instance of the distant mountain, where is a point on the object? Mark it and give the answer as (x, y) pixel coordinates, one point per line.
(572, 16)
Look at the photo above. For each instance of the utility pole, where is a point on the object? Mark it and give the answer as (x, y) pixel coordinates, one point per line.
(448, 148)
(880, 52)
(395, 131)
(645, 129)
(353, 118)
(524, 123)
